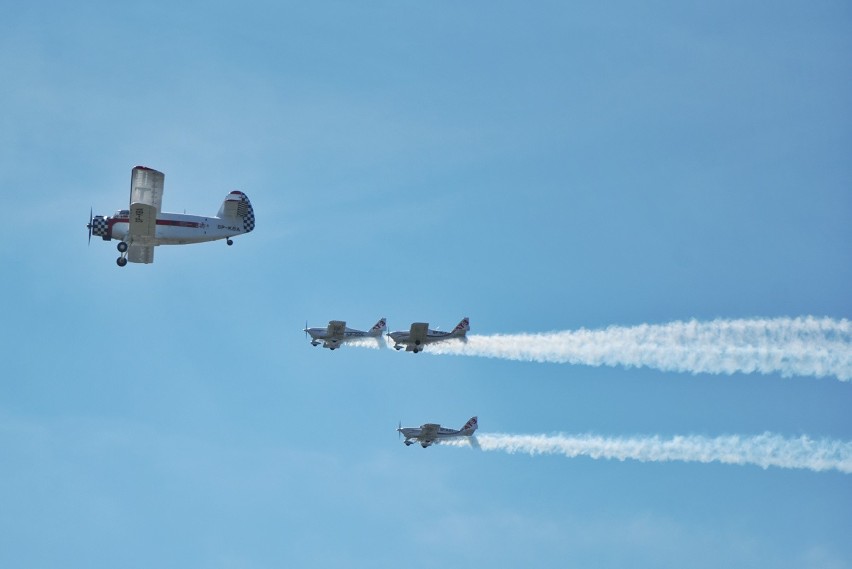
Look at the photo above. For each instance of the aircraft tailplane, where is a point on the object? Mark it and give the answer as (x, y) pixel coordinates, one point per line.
(237, 207)
(470, 426)
(462, 327)
(379, 327)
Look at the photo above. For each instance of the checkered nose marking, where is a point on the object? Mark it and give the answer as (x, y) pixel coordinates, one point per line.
(100, 227)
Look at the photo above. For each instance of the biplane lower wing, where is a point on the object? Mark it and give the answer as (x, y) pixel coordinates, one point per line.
(138, 253)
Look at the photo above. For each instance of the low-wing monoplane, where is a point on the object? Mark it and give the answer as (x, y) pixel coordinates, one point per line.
(143, 226)
(337, 333)
(432, 432)
(415, 338)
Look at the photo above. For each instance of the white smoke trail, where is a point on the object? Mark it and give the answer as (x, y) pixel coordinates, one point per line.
(805, 346)
(762, 450)
(370, 343)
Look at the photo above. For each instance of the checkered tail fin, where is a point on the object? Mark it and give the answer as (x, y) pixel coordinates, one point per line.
(237, 206)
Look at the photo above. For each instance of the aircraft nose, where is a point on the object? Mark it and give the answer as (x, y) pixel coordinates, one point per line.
(98, 226)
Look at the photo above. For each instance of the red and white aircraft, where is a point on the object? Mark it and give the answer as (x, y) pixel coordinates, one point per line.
(337, 333)
(432, 432)
(414, 339)
(143, 226)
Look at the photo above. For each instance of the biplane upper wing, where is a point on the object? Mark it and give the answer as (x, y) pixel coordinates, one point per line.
(146, 199)
(146, 187)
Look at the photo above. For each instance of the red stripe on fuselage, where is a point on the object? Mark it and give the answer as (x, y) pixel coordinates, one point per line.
(178, 223)
(170, 222)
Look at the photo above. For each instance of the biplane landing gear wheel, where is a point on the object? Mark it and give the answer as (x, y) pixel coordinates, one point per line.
(122, 247)
(229, 242)
(121, 261)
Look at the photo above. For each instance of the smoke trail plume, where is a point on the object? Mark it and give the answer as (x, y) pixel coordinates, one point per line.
(762, 450)
(805, 346)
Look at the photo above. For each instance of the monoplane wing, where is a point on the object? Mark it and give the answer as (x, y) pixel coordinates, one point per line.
(417, 334)
(336, 330)
(429, 432)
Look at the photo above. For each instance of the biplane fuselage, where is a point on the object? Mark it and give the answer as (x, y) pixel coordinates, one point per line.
(143, 226)
(175, 228)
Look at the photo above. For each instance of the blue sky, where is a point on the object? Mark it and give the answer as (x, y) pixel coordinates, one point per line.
(536, 167)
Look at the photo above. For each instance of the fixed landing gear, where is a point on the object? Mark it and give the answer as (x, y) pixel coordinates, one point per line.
(122, 248)
(229, 242)
(408, 443)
